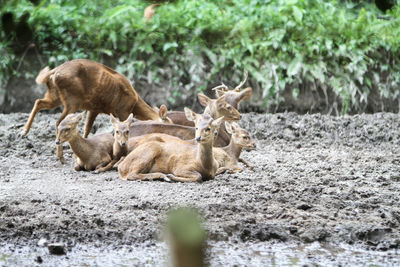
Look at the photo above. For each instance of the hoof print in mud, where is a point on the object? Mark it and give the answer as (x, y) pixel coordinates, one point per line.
(56, 248)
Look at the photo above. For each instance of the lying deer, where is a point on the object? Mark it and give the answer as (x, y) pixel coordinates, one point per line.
(232, 97)
(215, 107)
(83, 84)
(229, 156)
(162, 113)
(160, 159)
(91, 153)
(120, 144)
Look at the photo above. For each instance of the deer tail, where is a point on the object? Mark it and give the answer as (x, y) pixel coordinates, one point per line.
(44, 75)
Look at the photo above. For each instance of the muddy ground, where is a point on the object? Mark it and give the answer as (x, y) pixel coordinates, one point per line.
(325, 190)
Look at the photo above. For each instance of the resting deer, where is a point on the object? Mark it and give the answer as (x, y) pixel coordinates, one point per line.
(91, 153)
(232, 97)
(83, 84)
(215, 107)
(120, 145)
(228, 157)
(158, 159)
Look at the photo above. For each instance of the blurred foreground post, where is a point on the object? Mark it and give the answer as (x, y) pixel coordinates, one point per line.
(186, 238)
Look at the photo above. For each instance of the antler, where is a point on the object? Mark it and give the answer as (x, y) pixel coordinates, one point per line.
(246, 74)
(223, 86)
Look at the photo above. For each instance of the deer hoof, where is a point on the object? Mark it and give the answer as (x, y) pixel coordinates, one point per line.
(23, 133)
(168, 177)
(96, 171)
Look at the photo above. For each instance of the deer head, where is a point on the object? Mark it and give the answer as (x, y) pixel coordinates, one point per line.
(121, 129)
(68, 127)
(240, 136)
(219, 108)
(206, 127)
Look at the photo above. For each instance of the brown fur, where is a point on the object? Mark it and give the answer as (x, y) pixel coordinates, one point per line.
(91, 153)
(229, 156)
(121, 139)
(83, 84)
(149, 12)
(160, 159)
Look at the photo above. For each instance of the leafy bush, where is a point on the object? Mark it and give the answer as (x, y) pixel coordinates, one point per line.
(294, 45)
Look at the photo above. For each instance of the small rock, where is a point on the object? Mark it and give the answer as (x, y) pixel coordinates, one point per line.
(56, 248)
(304, 206)
(39, 259)
(42, 242)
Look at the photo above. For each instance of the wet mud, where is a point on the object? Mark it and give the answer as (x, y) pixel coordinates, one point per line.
(320, 183)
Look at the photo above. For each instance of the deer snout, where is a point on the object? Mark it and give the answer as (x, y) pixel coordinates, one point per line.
(58, 141)
(198, 139)
(123, 143)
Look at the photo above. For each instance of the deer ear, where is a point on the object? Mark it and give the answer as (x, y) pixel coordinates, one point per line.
(203, 99)
(219, 93)
(129, 120)
(217, 122)
(228, 127)
(113, 119)
(235, 126)
(190, 115)
(221, 99)
(163, 111)
(246, 94)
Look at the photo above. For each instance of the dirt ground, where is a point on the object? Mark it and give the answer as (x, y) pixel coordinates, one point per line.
(321, 183)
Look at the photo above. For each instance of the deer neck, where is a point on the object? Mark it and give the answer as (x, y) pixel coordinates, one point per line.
(233, 150)
(205, 155)
(119, 150)
(143, 111)
(80, 146)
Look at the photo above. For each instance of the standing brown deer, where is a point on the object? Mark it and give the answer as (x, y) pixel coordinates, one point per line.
(84, 84)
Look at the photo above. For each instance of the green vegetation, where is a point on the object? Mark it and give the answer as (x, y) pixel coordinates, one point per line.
(347, 49)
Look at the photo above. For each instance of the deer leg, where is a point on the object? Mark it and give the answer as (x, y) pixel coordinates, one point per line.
(105, 167)
(221, 170)
(188, 176)
(44, 103)
(251, 167)
(146, 176)
(90, 117)
(64, 114)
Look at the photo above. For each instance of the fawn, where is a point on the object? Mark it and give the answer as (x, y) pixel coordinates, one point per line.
(161, 159)
(83, 84)
(120, 145)
(229, 156)
(91, 153)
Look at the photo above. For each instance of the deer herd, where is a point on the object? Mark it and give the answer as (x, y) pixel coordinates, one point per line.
(169, 145)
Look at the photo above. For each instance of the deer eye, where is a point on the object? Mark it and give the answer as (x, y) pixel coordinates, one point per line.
(118, 132)
(229, 107)
(208, 129)
(126, 132)
(245, 137)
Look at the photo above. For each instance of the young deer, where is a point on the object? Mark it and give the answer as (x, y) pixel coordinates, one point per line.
(229, 156)
(83, 84)
(91, 153)
(120, 145)
(160, 159)
(216, 107)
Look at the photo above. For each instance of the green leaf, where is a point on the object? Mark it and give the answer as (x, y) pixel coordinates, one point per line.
(298, 15)
(294, 66)
(169, 45)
